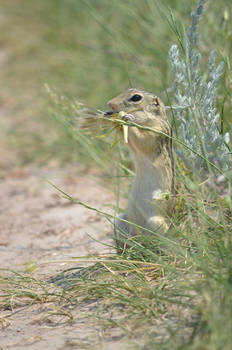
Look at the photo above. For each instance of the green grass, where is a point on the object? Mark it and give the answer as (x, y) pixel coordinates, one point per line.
(89, 52)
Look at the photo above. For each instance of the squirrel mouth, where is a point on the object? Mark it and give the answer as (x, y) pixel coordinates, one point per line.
(124, 127)
(109, 113)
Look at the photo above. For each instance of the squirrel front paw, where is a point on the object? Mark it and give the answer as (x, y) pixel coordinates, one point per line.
(128, 117)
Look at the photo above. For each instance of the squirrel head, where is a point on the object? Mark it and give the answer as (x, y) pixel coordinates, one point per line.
(133, 100)
(145, 109)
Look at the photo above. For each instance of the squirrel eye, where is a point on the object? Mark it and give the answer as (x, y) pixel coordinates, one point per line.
(135, 98)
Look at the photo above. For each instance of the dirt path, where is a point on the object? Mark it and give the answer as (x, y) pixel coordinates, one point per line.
(38, 224)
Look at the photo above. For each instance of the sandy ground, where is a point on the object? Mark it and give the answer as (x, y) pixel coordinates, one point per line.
(37, 224)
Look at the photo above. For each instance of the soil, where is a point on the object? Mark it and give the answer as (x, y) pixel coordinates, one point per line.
(37, 224)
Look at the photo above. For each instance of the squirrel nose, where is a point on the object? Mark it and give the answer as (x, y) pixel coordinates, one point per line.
(113, 106)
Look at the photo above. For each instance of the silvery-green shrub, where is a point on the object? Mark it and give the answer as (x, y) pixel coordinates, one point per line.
(194, 107)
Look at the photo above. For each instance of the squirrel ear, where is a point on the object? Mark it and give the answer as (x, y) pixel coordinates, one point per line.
(156, 101)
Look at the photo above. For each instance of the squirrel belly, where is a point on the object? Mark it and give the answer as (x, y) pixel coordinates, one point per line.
(150, 201)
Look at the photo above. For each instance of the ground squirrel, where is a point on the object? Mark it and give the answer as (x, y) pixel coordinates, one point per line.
(151, 197)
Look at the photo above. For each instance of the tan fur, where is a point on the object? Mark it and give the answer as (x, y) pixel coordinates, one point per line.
(148, 205)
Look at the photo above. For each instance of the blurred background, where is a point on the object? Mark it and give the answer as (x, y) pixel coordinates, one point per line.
(90, 51)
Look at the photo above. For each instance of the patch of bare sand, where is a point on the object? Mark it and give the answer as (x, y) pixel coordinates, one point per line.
(38, 224)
